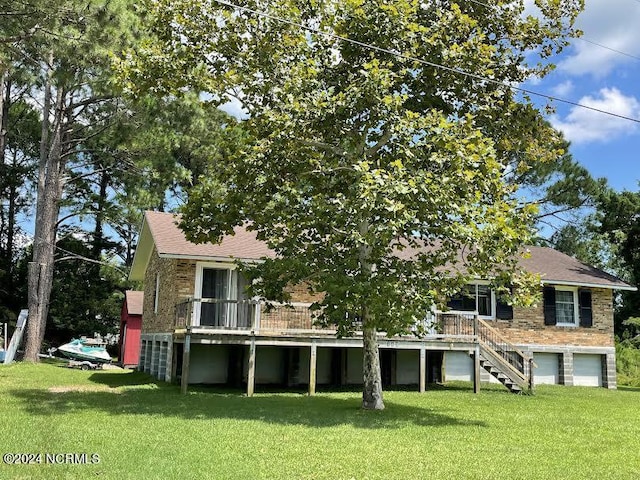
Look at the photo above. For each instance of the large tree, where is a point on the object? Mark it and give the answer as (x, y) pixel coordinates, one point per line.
(376, 160)
(70, 61)
(619, 219)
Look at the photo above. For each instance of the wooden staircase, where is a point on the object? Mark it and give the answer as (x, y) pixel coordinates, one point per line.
(503, 360)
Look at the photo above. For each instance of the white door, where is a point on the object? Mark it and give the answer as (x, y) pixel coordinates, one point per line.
(458, 366)
(547, 370)
(218, 286)
(587, 370)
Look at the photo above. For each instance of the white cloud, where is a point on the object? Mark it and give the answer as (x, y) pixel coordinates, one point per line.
(563, 89)
(234, 107)
(615, 25)
(584, 126)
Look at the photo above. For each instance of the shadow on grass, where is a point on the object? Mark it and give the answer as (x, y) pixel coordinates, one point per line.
(627, 388)
(206, 404)
(120, 379)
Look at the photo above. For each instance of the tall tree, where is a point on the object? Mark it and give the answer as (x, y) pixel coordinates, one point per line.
(72, 63)
(17, 169)
(375, 161)
(619, 219)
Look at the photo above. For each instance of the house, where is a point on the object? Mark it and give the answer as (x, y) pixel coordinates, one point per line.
(198, 326)
(130, 326)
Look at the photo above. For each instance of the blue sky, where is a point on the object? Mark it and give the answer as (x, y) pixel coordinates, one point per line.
(608, 80)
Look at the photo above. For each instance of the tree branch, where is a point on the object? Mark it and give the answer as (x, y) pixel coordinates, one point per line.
(323, 146)
(372, 152)
(75, 256)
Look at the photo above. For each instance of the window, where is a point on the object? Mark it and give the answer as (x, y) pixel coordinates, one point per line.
(484, 301)
(474, 298)
(156, 294)
(565, 307)
(220, 289)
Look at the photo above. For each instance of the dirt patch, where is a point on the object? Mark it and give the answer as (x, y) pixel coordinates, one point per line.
(83, 388)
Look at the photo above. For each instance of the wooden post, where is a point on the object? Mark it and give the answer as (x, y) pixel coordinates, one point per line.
(476, 370)
(174, 363)
(256, 317)
(531, 380)
(423, 369)
(186, 355)
(251, 376)
(312, 368)
(344, 366)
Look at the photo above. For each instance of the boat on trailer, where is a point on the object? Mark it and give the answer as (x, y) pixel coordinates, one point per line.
(85, 350)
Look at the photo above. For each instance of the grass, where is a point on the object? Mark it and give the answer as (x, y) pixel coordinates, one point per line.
(144, 429)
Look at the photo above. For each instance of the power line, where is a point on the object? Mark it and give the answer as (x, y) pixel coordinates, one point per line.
(609, 48)
(424, 62)
(579, 38)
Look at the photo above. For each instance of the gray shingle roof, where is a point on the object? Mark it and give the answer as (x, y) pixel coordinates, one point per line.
(554, 267)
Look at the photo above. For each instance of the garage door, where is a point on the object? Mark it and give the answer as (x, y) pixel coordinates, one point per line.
(546, 372)
(587, 370)
(458, 366)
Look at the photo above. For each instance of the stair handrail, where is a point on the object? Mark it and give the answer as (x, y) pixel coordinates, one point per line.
(502, 352)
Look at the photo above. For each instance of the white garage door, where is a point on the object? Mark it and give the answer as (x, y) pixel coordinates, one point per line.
(587, 370)
(458, 366)
(546, 372)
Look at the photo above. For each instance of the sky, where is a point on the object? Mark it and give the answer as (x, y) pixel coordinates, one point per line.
(608, 80)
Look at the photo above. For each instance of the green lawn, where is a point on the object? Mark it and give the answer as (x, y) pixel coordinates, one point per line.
(142, 429)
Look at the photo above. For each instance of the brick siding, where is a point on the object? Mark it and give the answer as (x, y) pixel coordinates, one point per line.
(527, 326)
(177, 282)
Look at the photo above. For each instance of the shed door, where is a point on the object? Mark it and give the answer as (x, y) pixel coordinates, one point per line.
(547, 370)
(587, 370)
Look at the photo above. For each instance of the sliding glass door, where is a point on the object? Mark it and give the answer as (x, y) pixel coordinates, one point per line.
(218, 288)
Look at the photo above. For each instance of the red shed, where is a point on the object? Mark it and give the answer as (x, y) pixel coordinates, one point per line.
(130, 323)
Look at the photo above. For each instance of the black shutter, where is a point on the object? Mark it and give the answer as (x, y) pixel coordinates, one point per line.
(504, 311)
(586, 312)
(549, 294)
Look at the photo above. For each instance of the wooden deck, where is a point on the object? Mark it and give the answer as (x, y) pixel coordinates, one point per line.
(254, 324)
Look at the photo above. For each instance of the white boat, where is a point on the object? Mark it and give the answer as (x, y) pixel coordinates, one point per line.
(89, 349)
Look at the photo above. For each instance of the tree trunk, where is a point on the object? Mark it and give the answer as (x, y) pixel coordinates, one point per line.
(40, 279)
(372, 377)
(98, 232)
(5, 100)
(372, 387)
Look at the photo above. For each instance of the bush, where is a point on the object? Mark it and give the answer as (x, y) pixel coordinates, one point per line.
(628, 363)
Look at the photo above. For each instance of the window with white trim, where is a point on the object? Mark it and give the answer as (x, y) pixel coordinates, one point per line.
(474, 298)
(566, 307)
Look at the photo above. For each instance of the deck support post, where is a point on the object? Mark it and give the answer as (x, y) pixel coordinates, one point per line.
(186, 354)
(423, 369)
(312, 368)
(476, 370)
(251, 376)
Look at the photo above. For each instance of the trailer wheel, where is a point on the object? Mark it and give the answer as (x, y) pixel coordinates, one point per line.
(84, 366)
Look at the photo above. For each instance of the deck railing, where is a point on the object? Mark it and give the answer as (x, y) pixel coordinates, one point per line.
(248, 315)
(252, 315)
(447, 324)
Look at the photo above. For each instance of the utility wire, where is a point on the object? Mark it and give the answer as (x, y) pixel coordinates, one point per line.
(579, 38)
(424, 62)
(609, 48)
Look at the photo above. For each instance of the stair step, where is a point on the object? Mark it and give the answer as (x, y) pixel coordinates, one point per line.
(496, 372)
